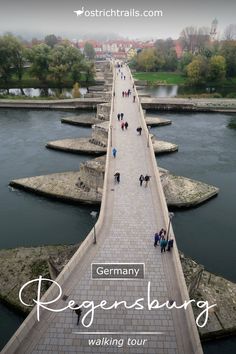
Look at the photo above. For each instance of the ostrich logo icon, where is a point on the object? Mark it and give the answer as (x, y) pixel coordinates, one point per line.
(79, 12)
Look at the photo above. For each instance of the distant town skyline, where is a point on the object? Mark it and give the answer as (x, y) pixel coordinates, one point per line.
(34, 18)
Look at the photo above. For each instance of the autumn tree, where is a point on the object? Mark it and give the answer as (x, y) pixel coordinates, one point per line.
(217, 68)
(149, 60)
(197, 70)
(185, 61)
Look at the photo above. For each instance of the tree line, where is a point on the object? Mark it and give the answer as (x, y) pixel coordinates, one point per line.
(49, 60)
(202, 61)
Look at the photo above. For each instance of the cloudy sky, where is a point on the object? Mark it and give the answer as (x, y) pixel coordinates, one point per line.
(56, 16)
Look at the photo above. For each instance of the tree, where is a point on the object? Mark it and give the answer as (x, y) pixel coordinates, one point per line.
(89, 71)
(75, 61)
(230, 32)
(89, 51)
(18, 59)
(76, 91)
(166, 49)
(149, 60)
(51, 40)
(197, 70)
(185, 61)
(39, 57)
(228, 51)
(6, 60)
(194, 39)
(59, 67)
(217, 68)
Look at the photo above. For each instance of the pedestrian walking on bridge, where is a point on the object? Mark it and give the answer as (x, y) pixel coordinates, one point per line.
(147, 179)
(117, 177)
(141, 179)
(139, 130)
(114, 151)
(78, 313)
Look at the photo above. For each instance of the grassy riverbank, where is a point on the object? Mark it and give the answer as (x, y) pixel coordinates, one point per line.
(168, 78)
(174, 78)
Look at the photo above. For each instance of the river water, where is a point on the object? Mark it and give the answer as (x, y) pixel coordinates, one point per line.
(28, 220)
(207, 146)
(175, 90)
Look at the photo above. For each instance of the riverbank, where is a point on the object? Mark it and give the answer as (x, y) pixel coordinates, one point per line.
(19, 265)
(160, 103)
(171, 78)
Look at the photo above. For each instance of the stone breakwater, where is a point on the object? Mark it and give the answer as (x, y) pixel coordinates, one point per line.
(84, 120)
(19, 265)
(85, 186)
(161, 104)
(189, 104)
(97, 143)
(203, 285)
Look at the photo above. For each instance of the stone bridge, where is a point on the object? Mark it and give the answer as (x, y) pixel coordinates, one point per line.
(129, 217)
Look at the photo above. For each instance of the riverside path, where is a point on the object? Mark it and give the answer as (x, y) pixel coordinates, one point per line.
(129, 217)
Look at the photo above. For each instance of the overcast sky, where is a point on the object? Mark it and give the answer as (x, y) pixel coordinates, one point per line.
(56, 16)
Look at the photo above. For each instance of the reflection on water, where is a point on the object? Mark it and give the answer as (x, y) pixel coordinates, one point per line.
(175, 90)
(36, 92)
(161, 91)
(232, 123)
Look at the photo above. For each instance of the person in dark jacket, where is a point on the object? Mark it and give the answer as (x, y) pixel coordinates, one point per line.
(139, 130)
(117, 177)
(156, 239)
(141, 179)
(78, 313)
(147, 179)
(170, 244)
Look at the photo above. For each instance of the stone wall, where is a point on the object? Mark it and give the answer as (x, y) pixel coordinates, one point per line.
(100, 134)
(92, 173)
(103, 111)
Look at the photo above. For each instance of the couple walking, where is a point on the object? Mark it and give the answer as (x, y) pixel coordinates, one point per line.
(145, 179)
